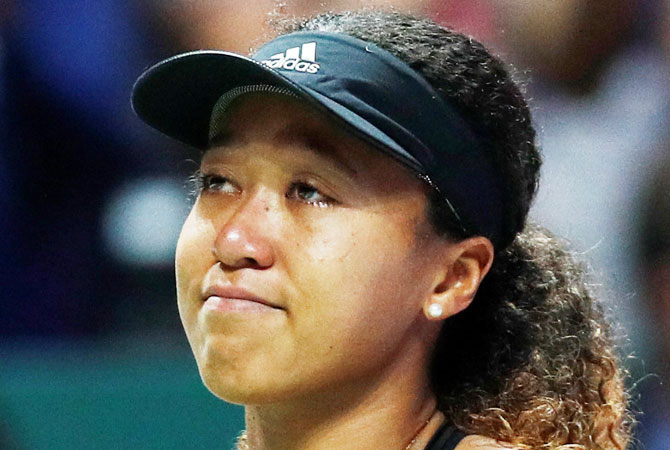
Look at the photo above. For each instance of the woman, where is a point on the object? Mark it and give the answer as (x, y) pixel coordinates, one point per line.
(357, 270)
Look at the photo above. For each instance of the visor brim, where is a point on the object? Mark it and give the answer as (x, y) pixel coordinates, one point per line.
(177, 97)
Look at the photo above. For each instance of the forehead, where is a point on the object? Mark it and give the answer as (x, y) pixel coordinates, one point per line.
(284, 120)
(245, 111)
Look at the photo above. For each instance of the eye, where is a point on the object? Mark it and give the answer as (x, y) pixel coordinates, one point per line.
(214, 183)
(307, 193)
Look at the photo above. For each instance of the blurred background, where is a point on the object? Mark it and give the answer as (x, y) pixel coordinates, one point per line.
(92, 354)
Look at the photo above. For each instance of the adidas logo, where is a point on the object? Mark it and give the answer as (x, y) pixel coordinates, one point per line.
(300, 59)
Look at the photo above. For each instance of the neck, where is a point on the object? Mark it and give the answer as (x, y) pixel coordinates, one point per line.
(391, 411)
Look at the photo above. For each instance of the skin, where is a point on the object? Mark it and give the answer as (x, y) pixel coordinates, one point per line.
(334, 235)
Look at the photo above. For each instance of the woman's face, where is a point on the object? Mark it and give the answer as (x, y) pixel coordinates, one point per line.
(306, 259)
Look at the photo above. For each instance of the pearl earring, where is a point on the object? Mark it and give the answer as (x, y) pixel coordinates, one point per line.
(435, 310)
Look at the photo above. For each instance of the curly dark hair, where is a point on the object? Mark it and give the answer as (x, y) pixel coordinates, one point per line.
(536, 365)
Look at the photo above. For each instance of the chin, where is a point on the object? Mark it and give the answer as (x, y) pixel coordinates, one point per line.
(240, 390)
(236, 383)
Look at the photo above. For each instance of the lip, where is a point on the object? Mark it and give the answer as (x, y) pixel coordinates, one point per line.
(237, 299)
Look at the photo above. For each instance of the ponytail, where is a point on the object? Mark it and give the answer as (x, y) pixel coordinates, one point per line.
(531, 361)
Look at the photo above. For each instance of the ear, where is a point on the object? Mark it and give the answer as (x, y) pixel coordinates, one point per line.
(465, 265)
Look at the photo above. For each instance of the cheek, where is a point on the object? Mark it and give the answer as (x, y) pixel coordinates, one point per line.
(193, 258)
(364, 253)
(359, 304)
(194, 249)
(362, 278)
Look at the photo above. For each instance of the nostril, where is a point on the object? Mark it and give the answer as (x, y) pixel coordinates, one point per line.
(250, 261)
(241, 263)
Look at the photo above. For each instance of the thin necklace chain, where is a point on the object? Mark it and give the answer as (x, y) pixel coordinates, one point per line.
(416, 436)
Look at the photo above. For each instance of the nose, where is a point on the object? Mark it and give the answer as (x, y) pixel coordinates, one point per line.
(243, 241)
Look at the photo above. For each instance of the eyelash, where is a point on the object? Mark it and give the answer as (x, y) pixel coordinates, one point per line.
(201, 182)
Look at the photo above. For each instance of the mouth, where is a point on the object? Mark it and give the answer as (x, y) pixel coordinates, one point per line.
(236, 299)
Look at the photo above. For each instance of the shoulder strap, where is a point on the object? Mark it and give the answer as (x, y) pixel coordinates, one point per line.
(446, 438)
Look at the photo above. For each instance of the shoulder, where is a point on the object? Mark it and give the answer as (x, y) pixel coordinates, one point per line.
(476, 442)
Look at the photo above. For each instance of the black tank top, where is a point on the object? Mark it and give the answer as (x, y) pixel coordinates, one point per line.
(446, 438)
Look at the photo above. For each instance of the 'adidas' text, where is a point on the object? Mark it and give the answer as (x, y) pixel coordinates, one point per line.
(300, 59)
